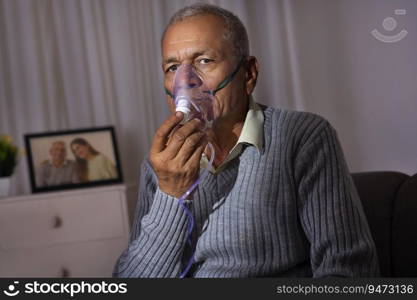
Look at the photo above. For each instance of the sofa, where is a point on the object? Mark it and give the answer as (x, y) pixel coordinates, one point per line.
(389, 200)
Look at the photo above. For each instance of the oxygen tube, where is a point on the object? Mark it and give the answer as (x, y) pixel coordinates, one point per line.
(195, 100)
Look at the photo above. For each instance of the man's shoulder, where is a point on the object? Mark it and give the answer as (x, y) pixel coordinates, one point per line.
(288, 116)
(45, 163)
(293, 123)
(70, 162)
(291, 130)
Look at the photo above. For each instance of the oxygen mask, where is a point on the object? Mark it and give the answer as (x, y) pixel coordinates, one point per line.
(191, 96)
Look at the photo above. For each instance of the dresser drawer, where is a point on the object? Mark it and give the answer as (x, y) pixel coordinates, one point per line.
(69, 218)
(89, 259)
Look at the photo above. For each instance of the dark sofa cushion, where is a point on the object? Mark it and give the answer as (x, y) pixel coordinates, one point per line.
(378, 191)
(404, 231)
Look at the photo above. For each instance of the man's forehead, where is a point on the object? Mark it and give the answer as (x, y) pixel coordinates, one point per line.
(58, 144)
(184, 40)
(209, 24)
(187, 52)
(204, 31)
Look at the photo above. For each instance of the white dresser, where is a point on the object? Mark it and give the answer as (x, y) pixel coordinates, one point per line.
(77, 233)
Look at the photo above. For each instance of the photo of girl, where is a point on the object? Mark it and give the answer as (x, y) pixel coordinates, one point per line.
(90, 164)
(70, 159)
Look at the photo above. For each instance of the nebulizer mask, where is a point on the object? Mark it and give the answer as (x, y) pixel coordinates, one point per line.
(195, 99)
(191, 96)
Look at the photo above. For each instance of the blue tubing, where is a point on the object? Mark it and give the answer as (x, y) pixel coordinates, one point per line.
(189, 213)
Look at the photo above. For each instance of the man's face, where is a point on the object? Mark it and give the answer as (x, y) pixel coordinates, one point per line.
(198, 41)
(58, 152)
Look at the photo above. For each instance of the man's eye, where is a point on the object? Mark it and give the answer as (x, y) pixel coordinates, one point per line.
(205, 61)
(172, 68)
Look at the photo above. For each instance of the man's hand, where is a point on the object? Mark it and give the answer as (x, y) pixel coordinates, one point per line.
(175, 156)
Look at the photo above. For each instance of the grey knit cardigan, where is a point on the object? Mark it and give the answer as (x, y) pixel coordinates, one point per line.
(288, 210)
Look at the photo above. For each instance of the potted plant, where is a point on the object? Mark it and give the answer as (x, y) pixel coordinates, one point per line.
(8, 161)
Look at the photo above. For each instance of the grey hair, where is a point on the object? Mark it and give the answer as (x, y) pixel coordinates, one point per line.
(235, 30)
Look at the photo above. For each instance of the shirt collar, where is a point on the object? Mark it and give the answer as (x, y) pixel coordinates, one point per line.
(252, 131)
(252, 134)
(65, 163)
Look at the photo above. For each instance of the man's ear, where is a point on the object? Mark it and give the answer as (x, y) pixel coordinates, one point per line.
(251, 74)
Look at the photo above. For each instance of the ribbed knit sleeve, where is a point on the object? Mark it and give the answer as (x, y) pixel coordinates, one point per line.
(330, 210)
(158, 234)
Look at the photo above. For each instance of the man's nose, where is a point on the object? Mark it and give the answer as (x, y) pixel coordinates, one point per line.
(187, 78)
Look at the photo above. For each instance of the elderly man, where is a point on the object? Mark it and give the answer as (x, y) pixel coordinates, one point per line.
(58, 170)
(279, 200)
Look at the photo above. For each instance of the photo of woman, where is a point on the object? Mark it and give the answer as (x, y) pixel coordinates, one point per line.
(91, 165)
(70, 159)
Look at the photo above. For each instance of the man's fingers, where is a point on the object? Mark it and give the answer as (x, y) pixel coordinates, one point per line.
(195, 158)
(189, 147)
(161, 135)
(180, 136)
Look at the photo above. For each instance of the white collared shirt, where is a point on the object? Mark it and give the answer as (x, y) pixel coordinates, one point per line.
(252, 134)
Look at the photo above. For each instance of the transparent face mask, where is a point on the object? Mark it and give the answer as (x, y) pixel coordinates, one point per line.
(191, 96)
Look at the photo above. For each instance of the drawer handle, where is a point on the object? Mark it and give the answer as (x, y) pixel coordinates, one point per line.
(65, 273)
(57, 223)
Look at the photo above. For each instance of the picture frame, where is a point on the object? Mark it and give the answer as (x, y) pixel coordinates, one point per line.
(70, 159)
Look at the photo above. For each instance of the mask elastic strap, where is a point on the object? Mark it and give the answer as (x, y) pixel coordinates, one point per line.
(229, 78)
(222, 84)
(168, 92)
